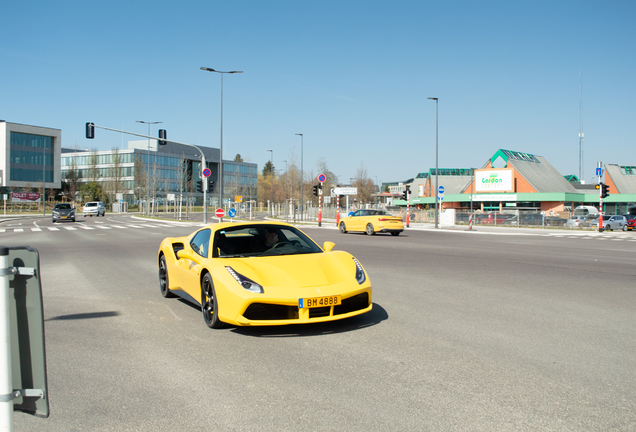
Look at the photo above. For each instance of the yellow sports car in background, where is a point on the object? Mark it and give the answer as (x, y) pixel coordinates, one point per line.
(371, 222)
(262, 273)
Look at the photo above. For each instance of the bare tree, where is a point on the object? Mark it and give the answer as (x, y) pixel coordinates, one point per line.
(365, 185)
(93, 171)
(140, 177)
(72, 179)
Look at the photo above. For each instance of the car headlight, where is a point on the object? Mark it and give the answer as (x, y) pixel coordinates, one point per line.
(246, 283)
(55, 213)
(360, 277)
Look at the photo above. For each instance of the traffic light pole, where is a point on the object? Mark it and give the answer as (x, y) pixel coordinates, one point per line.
(162, 140)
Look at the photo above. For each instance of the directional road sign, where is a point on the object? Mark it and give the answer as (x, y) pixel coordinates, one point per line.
(345, 191)
(231, 212)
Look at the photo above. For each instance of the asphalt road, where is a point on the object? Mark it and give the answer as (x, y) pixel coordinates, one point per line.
(470, 331)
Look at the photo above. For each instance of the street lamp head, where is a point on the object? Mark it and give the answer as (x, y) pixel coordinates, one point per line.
(299, 134)
(221, 72)
(433, 99)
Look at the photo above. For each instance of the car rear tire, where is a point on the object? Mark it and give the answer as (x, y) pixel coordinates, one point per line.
(624, 227)
(343, 228)
(209, 304)
(370, 230)
(395, 233)
(608, 228)
(164, 280)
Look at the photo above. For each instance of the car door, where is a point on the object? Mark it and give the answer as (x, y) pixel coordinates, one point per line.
(355, 221)
(190, 269)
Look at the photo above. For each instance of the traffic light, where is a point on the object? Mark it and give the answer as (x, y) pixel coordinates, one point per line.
(163, 135)
(90, 130)
(199, 185)
(210, 185)
(405, 197)
(316, 190)
(604, 190)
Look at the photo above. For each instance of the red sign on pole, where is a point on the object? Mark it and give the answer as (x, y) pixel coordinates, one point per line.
(219, 212)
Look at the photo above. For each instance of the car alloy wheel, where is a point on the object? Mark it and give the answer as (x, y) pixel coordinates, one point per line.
(164, 281)
(370, 230)
(209, 305)
(343, 228)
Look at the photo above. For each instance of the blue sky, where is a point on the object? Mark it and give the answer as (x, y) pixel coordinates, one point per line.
(352, 76)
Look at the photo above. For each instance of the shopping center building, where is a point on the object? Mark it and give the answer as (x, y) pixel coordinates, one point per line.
(512, 180)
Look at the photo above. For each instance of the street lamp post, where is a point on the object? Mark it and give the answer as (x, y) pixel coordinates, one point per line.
(271, 179)
(148, 164)
(436, 169)
(221, 144)
(301, 177)
(286, 180)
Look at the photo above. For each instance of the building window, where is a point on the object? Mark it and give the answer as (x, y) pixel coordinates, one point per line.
(31, 157)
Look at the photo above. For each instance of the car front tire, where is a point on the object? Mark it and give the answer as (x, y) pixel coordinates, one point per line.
(164, 280)
(209, 304)
(370, 230)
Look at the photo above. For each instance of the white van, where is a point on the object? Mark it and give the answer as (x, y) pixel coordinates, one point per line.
(585, 211)
(94, 208)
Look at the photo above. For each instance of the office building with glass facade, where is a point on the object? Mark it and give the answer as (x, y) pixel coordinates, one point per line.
(29, 157)
(146, 170)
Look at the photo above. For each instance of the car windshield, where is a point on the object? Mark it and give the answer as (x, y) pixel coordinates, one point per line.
(63, 207)
(91, 204)
(261, 240)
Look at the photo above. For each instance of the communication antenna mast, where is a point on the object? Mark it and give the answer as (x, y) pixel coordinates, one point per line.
(581, 177)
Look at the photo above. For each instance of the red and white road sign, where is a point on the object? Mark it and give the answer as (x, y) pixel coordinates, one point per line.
(219, 212)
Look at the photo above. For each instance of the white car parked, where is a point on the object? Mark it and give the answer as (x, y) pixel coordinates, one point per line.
(94, 208)
(614, 222)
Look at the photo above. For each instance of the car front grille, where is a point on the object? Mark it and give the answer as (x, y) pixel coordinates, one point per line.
(273, 312)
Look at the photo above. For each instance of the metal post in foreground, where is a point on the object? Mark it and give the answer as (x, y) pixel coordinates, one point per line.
(6, 380)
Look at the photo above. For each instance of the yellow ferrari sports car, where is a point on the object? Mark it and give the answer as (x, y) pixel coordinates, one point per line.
(262, 273)
(371, 222)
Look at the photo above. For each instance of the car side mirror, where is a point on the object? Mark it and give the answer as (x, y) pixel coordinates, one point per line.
(328, 246)
(183, 254)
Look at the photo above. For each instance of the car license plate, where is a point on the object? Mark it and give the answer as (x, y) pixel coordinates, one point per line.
(319, 302)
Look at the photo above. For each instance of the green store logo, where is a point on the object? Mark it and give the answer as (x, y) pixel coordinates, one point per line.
(493, 179)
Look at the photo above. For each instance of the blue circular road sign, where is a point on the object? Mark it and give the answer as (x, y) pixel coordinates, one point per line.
(231, 212)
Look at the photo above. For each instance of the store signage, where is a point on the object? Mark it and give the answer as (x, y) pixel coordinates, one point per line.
(493, 181)
(25, 197)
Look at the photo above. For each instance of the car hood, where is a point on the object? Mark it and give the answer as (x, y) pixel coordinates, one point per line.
(300, 271)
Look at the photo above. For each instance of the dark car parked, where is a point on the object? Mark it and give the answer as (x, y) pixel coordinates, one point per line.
(63, 212)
